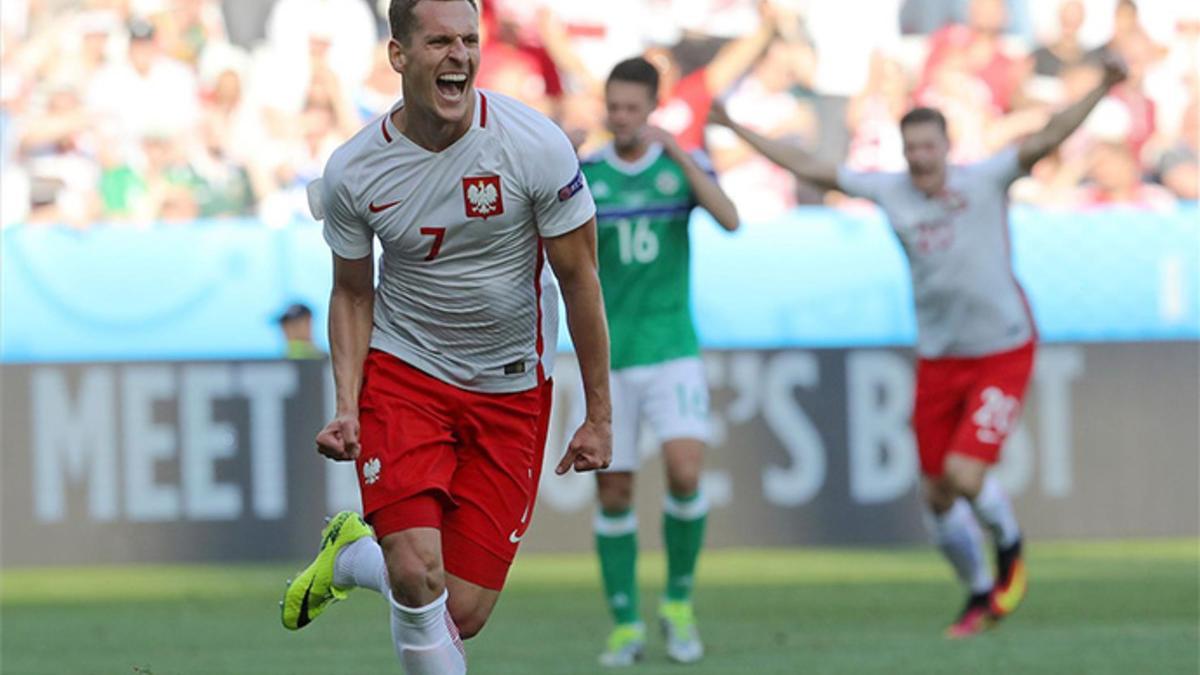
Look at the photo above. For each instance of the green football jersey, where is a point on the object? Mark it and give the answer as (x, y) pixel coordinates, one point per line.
(642, 212)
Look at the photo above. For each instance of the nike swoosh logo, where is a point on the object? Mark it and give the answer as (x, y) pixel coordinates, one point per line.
(512, 537)
(376, 208)
(302, 620)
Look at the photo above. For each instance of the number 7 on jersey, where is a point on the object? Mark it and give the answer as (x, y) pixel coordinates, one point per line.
(438, 234)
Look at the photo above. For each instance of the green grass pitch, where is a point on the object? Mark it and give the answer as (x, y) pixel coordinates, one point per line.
(1101, 607)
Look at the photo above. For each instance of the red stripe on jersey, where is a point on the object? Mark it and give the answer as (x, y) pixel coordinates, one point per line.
(537, 294)
(483, 114)
(1033, 329)
(386, 136)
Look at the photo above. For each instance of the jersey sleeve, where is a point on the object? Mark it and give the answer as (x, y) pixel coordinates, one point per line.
(862, 184)
(347, 234)
(1002, 168)
(559, 191)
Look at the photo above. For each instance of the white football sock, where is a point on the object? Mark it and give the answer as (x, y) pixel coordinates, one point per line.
(958, 536)
(361, 565)
(426, 640)
(994, 510)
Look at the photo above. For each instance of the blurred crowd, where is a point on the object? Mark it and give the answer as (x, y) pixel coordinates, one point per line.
(159, 111)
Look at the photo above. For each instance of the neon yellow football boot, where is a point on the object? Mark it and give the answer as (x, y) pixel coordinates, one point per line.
(678, 621)
(312, 591)
(626, 645)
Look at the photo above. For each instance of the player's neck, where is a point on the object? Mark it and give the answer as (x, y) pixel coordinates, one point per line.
(631, 153)
(930, 184)
(429, 131)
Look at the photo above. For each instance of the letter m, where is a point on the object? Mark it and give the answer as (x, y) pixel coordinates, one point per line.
(73, 442)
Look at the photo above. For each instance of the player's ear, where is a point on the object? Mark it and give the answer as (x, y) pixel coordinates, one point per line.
(396, 55)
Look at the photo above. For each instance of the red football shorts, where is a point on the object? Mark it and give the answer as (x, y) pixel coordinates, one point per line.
(434, 455)
(968, 405)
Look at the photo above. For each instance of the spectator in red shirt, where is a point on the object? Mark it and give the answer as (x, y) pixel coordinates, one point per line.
(517, 67)
(980, 44)
(684, 108)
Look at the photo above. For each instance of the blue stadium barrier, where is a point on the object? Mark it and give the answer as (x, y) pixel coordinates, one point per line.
(814, 278)
(822, 277)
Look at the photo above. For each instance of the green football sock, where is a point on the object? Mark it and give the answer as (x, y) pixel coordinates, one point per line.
(684, 518)
(616, 544)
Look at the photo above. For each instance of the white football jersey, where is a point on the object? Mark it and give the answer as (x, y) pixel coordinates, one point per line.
(464, 293)
(968, 300)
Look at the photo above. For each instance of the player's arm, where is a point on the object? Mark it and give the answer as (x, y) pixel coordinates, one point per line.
(573, 258)
(707, 191)
(735, 58)
(802, 164)
(351, 311)
(1067, 120)
(561, 201)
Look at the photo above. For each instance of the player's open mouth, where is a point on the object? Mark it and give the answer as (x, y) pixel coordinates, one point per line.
(452, 85)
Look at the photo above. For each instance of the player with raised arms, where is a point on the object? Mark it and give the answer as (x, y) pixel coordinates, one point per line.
(443, 371)
(646, 187)
(975, 332)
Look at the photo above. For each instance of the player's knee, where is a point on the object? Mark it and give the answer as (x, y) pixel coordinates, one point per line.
(615, 503)
(965, 475)
(614, 491)
(415, 572)
(413, 582)
(940, 495)
(685, 464)
(965, 480)
(684, 480)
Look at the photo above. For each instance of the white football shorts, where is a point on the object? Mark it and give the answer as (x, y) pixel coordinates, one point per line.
(670, 397)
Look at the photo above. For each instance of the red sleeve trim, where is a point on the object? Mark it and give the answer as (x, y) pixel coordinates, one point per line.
(537, 295)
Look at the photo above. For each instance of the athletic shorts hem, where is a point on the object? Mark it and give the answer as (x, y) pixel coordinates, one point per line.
(683, 434)
(423, 509)
(987, 455)
(471, 561)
